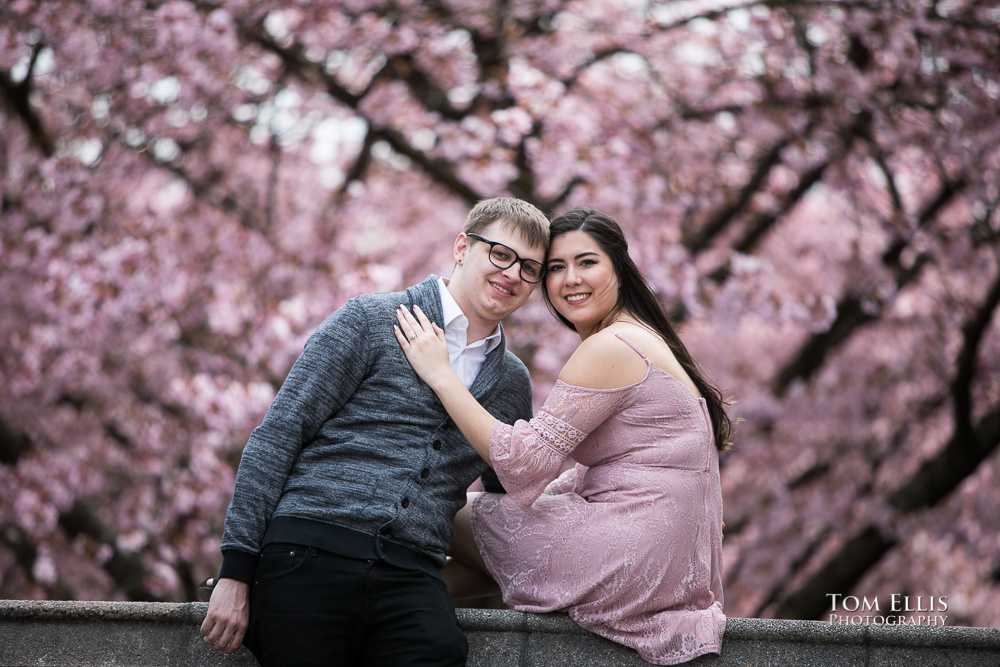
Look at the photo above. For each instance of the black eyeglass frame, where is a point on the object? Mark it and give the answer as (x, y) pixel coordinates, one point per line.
(517, 259)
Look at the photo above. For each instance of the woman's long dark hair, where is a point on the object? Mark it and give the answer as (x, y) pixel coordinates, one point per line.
(637, 299)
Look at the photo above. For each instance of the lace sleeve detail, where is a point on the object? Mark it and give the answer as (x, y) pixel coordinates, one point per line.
(529, 454)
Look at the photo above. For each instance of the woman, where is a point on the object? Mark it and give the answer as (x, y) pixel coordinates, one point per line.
(629, 540)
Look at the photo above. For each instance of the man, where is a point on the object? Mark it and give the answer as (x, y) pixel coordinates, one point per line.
(346, 493)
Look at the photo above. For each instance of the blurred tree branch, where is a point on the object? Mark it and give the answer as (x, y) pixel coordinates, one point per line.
(17, 96)
(12, 444)
(851, 310)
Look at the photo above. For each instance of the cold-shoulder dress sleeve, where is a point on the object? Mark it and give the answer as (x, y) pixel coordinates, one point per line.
(527, 455)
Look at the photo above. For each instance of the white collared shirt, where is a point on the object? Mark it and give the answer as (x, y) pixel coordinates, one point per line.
(466, 358)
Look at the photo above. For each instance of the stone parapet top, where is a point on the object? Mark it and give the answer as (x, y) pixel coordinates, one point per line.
(81, 633)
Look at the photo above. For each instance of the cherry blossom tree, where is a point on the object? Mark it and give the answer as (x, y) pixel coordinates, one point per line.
(190, 186)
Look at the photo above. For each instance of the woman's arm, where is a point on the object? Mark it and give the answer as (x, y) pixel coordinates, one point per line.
(425, 348)
(528, 454)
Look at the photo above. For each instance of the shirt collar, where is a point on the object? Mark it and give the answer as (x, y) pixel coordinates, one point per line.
(451, 311)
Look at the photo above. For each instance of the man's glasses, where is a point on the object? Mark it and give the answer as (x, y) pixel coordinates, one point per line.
(503, 257)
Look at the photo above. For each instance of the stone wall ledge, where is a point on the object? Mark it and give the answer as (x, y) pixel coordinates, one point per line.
(166, 634)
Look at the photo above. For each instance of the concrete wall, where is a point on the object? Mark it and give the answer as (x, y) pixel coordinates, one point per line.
(162, 634)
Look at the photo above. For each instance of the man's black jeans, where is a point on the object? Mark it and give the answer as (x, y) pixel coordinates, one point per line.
(310, 607)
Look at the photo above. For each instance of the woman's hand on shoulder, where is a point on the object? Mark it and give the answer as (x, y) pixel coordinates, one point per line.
(424, 345)
(604, 361)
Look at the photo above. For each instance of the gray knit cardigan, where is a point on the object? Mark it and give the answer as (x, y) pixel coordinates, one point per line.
(356, 454)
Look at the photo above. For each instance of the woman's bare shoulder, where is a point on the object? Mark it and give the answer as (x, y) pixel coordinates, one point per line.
(604, 361)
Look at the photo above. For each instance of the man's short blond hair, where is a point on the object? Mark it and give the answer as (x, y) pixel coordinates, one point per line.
(516, 214)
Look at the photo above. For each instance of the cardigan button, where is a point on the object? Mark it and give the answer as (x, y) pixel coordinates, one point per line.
(436, 445)
(425, 473)
(405, 502)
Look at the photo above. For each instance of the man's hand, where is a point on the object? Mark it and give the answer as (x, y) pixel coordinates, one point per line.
(228, 616)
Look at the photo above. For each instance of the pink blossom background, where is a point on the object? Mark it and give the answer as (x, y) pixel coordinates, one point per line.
(188, 188)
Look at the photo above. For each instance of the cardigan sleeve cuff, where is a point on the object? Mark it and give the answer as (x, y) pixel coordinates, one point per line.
(238, 565)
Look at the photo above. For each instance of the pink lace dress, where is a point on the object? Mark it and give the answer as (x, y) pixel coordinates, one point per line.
(631, 545)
